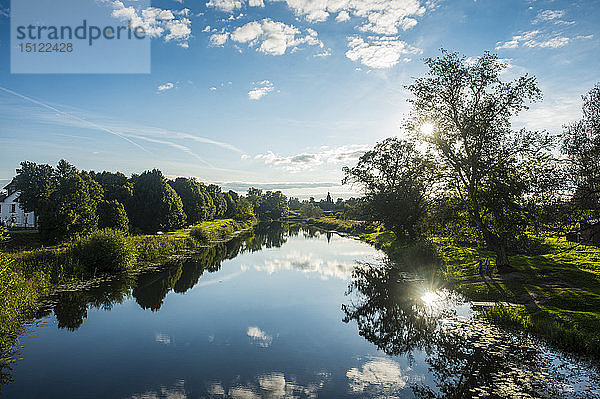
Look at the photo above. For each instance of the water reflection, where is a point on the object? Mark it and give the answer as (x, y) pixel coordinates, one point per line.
(274, 385)
(276, 332)
(388, 310)
(378, 375)
(150, 289)
(467, 356)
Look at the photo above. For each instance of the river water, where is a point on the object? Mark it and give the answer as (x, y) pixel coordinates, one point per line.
(288, 312)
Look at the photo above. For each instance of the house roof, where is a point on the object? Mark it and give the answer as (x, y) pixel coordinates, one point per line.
(12, 183)
(2, 197)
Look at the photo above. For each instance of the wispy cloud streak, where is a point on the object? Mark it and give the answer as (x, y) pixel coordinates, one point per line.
(68, 115)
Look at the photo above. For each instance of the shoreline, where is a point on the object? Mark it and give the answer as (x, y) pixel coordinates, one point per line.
(554, 295)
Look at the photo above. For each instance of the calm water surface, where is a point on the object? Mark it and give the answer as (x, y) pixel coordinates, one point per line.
(285, 313)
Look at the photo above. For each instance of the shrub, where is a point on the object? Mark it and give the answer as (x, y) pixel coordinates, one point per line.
(199, 234)
(104, 250)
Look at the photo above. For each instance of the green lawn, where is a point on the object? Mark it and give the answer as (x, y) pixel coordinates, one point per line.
(556, 294)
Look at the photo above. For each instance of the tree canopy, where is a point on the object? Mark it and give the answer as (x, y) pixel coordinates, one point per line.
(462, 109)
(581, 145)
(393, 176)
(154, 205)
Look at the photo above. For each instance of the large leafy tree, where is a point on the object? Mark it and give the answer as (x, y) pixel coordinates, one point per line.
(64, 199)
(154, 205)
(116, 186)
(273, 206)
(581, 145)
(197, 205)
(218, 200)
(393, 176)
(111, 214)
(243, 210)
(255, 197)
(462, 109)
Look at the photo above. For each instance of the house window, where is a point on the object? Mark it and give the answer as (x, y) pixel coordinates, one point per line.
(13, 208)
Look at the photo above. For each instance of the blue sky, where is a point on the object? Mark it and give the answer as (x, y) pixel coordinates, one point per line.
(271, 92)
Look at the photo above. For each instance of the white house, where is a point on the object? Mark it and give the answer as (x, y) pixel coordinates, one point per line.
(11, 213)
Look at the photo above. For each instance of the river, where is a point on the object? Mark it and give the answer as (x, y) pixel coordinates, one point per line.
(287, 312)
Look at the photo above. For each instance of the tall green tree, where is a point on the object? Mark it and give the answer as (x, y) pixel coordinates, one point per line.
(218, 199)
(393, 176)
(154, 205)
(273, 206)
(243, 210)
(116, 186)
(63, 199)
(462, 109)
(254, 195)
(581, 145)
(112, 215)
(196, 203)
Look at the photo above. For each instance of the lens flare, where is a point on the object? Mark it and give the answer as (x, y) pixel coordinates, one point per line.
(429, 298)
(426, 128)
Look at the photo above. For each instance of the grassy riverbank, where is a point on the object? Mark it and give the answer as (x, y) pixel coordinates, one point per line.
(554, 293)
(61, 263)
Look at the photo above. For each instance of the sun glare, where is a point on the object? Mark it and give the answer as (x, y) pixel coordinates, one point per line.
(426, 128)
(429, 298)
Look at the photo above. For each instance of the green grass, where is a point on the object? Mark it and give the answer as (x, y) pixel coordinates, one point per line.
(556, 294)
(354, 227)
(60, 265)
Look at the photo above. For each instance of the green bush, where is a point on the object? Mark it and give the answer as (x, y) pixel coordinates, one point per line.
(104, 250)
(199, 234)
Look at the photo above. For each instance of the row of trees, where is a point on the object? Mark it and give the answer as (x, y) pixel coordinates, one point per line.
(68, 202)
(463, 167)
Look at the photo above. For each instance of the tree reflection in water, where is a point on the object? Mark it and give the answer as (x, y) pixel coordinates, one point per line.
(149, 289)
(390, 313)
(467, 357)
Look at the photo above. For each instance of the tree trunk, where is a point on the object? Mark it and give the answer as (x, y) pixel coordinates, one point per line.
(502, 262)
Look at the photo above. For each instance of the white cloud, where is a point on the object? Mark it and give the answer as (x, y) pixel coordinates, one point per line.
(310, 264)
(225, 5)
(273, 385)
(256, 3)
(176, 391)
(260, 90)
(259, 337)
(380, 375)
(274, 38)
(379, 52)
(552, 113)
(165, 86)
(342, 16)
(324, 53)
(162, 338)
(517, 39)
(218, 39)
(549, 15)
(555, 42)
(537, 38)
(172, 25)
(306, 161)
(379, 16)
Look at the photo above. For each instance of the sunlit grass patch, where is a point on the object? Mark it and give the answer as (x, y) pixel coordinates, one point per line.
(558, 292)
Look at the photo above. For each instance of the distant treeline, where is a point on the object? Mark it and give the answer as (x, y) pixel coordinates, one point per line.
(68, 202)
